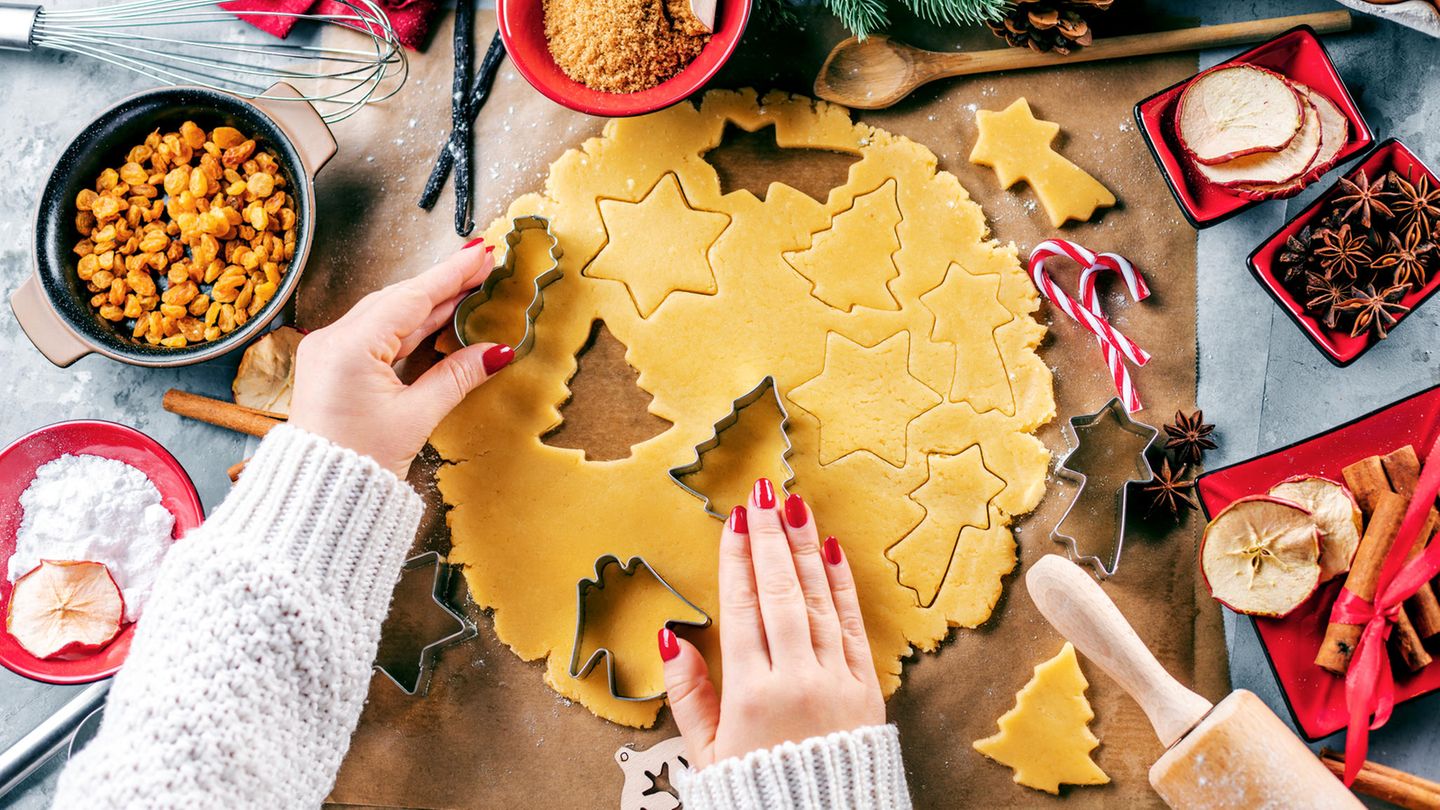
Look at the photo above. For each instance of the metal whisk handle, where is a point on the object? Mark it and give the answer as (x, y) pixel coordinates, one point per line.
(17, 26)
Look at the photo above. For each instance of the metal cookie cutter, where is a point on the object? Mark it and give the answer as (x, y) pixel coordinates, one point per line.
(1114, 410)
(766, 387)
(584, 586)
(471, 302)
(465, 629)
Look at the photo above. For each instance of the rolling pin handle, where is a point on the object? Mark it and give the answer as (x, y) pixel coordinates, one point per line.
(1072, 601)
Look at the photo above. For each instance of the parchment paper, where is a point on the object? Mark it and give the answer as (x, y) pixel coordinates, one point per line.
(490, 734)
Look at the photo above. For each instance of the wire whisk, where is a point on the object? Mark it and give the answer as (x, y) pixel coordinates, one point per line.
(151, 37)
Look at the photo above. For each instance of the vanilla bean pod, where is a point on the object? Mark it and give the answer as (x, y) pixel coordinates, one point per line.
(479, 93)
(460, 143)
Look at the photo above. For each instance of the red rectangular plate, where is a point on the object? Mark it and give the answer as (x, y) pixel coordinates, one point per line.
(1315, 697)
(1338, 347)
(1296, 54)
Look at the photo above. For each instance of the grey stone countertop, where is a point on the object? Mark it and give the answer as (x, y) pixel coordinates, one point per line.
(1260, 380)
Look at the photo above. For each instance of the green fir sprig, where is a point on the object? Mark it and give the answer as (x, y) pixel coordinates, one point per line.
(865, 17)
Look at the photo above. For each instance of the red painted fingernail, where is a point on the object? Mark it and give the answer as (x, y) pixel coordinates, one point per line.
(489, 248)
(795, 512)
(832, 550)
(669, 646)
(473, 242)
(497, 357)
(764, 493)
(739, 520)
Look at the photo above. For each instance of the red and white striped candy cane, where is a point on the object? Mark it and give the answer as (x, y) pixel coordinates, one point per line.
(1115, 346)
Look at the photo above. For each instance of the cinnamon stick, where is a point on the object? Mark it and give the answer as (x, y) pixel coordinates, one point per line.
(1402, 467)
(237, 468)
(1387, 784)
(220, 413)
(1364, 577)
(1367, 481)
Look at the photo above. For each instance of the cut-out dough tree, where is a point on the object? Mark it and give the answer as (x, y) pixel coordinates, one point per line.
(1046, 738)
(967, 313)
(846, 271)
(1017, 145)
(956, 497)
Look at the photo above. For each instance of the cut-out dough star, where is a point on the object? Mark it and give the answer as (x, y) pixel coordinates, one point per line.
(654, 264)
(865, 398)
(957, 494)
(967, 313)
(1016, 145)
(852, 262)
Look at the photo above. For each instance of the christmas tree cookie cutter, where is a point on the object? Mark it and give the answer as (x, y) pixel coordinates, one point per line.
(506, 269)
(580, 669)
(1139, 465)
(766, 387)
(464, 630)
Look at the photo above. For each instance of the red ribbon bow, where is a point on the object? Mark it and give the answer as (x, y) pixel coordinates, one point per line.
(1369, 682)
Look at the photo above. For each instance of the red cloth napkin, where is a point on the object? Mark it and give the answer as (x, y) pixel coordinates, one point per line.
(410, 18)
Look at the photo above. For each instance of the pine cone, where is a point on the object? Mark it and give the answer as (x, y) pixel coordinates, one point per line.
(1048, 25)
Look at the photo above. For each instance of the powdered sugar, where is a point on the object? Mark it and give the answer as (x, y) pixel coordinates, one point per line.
(91, 508)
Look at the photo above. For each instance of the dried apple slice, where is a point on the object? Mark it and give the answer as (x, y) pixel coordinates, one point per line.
(65, 608)
(1261, 556)
(1271, 167)
(1336, 515)
(266, 376)
(1334, 134)
(1236, 110)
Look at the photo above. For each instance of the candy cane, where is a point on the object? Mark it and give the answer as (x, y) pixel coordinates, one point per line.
(1114, 345)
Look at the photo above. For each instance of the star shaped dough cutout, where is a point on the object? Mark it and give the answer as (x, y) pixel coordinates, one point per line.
(652, 264)
(967, 313)
(1016, 145)
(865, 398)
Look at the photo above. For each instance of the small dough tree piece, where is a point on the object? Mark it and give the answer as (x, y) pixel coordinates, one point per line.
(1016, 145)
(1046, 738)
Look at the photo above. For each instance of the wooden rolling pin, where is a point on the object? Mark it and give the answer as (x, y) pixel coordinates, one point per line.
(1234, 754)
(876, 72)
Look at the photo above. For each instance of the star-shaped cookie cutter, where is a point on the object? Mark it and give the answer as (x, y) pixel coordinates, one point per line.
(465, 629)
(765, 387)
(597, 582)
(468, 304)
(1142, 468)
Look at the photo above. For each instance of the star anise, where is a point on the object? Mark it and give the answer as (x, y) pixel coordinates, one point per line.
(1377, 310)
(1294, 260)
(1189, 437)
(1326, 297)
(1408, 260)
(1363, 197)
(1342, 252)
(1171, 489)
(1417, 205)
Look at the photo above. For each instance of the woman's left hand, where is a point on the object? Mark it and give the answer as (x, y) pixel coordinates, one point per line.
(346, 388)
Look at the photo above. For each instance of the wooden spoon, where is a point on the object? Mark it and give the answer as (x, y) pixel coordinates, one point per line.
(876, 72)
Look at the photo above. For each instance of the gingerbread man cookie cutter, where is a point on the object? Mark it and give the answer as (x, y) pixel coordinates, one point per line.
(579, 669)
(1114, 409)
(464, 631)
(506, 269)
(766, 387)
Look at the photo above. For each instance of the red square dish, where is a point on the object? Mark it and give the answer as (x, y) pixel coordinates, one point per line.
(1338, 346)
(1296, 54)
(1315, 697)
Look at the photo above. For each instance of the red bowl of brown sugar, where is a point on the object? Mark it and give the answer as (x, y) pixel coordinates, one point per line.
(617, 58)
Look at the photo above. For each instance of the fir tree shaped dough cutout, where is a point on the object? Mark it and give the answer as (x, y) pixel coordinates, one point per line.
(1046, 738)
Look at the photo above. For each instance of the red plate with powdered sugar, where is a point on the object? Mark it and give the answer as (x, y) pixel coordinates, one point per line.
(1315, 697)
(18, 463)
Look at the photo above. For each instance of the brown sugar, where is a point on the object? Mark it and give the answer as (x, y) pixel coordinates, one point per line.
(622, 46)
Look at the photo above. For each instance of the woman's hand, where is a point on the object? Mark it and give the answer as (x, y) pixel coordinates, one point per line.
(346, 389)
(797, 662)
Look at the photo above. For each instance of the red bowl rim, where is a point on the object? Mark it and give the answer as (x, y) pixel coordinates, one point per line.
(680, 86)
(1325, 346)
(1360, 140)
(189, 496)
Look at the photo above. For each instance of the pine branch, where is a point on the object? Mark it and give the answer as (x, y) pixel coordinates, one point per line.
(862, 17)
(958, 12)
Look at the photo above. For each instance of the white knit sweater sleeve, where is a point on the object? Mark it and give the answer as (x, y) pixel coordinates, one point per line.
(848, 770)
(249, 670)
